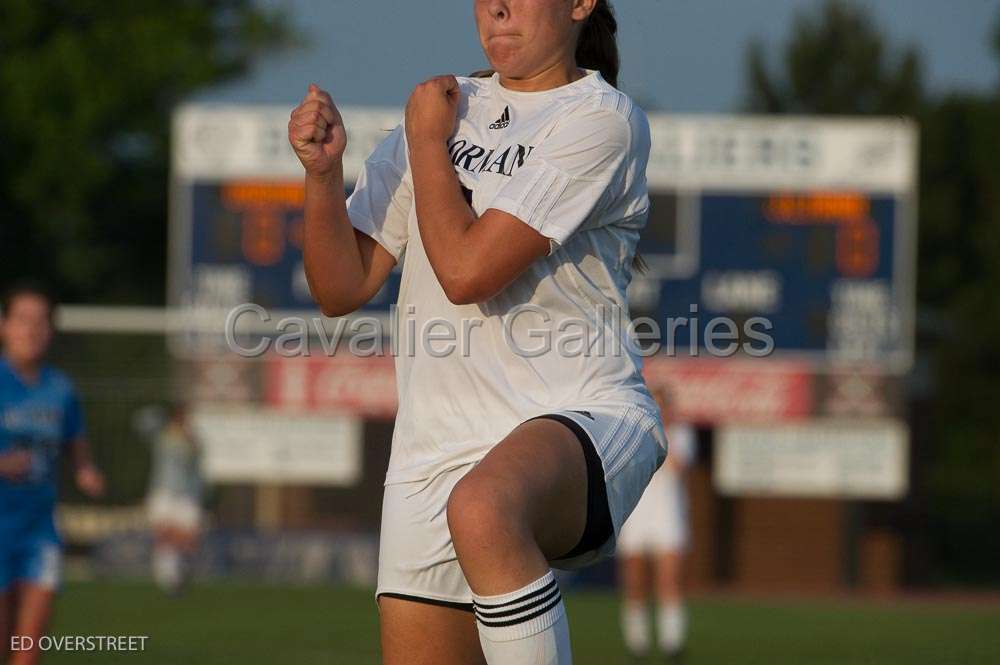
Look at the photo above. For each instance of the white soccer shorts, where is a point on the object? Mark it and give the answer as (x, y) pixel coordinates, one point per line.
(416, 556)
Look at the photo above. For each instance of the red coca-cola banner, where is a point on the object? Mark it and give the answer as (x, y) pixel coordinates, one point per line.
(710, 391)
(346, 383)
(706, 391)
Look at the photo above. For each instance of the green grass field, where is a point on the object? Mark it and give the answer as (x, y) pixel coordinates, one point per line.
(244, 624)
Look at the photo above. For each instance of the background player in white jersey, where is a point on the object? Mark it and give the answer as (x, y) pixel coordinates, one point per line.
(173, 501)
(525, 433)
(652, 545)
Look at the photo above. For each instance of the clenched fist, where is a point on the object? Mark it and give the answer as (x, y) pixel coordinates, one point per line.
(90, 480)
(15, 464)
(432, 111)
(316, 132)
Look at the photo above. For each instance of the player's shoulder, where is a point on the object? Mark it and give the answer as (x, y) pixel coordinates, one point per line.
(475, 87)
(607, 98)
(57, 380)
(6, 372)
(603, 104)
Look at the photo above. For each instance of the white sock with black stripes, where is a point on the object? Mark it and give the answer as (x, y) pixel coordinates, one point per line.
(524, 627)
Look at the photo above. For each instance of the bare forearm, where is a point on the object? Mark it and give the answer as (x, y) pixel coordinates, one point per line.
(474, 256)
(80, 450)
(442, 212)
(334, 267)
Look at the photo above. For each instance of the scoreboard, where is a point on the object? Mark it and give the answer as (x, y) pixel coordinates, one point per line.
(246, 246)
(818, 268)
(237, 206)
(806, 225)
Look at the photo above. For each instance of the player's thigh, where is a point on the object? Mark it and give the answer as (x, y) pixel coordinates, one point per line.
(669, 572)
(6, 621)
(415, 633)
(633, 576)
(535, 478)
(34, 608)
(37, 574)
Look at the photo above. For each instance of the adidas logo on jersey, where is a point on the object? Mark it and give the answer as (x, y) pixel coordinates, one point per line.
(503, 122)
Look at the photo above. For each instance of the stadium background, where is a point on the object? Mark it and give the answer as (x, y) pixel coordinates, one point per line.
(876, 413)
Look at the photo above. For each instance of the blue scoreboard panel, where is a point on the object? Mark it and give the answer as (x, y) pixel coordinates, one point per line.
(817, 270)
(803, 229)
(246, 246)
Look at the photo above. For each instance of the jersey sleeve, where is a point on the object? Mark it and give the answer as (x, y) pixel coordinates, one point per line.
(383, 195)
(575, 172)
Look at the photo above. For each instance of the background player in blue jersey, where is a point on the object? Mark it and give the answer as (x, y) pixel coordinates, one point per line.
(39, 419)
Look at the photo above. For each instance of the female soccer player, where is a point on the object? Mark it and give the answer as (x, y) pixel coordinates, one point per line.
(173, 502)
(525, 433)
(657, 533)
(39, 418)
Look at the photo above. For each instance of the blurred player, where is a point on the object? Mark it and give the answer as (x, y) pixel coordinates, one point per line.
(39, 418)
(174, 499)
(518, 199)
(657, 533)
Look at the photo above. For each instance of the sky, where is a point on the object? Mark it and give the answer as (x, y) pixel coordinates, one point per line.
(678, 55)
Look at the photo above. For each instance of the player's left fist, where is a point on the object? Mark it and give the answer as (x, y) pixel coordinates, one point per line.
(432, 111)
(90, 480)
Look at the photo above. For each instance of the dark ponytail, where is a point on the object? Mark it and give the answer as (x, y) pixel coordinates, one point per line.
(597, 47)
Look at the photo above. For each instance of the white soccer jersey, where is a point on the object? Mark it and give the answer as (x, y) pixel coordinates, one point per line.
(569, 162)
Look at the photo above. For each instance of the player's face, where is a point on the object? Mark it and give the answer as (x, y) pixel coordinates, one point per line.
(26, 329)
(522, 38)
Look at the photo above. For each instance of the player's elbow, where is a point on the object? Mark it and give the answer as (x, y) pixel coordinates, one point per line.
(460, 293)
(336, 307)
(468, 288)
(331, 301)
(334, 310)
(333, 304)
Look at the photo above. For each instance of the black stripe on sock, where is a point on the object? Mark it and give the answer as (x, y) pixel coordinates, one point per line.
(514, 622)
(496, 614)
(528, 596)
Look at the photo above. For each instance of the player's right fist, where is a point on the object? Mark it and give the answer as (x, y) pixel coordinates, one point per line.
(316, 132)
(15, 464)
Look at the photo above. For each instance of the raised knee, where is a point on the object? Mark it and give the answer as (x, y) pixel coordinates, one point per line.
(479, 511)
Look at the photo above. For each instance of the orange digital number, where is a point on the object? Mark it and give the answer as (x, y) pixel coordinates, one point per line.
(263, 236)
(857, 248)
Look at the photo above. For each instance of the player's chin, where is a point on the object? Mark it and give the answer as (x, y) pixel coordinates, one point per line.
(505, 60)
(31, 351)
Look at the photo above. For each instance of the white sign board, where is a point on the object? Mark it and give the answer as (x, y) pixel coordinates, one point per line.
(754, 153)
(729, 153)
(832, 458)
(214, 143)
(278, 447)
